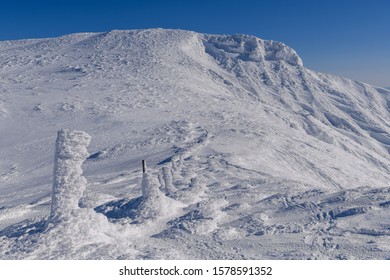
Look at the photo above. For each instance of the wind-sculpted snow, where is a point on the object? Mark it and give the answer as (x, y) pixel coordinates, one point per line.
(250, 154)
(249, 48)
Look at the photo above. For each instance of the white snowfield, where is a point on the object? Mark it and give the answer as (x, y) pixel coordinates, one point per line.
(250, 155)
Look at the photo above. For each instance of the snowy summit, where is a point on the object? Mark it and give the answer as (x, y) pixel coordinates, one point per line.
(249, 154)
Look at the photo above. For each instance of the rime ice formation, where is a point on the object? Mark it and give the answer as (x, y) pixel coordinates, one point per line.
(150, 189)
(68, 183)
(154, 204)
(167, 179)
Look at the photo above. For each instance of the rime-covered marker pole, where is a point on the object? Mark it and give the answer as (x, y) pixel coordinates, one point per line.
(68, 184)
(167, 177)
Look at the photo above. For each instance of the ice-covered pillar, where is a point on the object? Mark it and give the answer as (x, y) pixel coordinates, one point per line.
(150, 187)
(167, 177)
(69, 184)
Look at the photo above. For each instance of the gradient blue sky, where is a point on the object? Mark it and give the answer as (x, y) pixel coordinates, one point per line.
(344, 37)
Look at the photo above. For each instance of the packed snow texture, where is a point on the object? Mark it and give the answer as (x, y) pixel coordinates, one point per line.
(250, 155)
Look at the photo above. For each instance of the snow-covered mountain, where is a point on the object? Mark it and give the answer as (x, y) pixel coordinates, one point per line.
(255, 155)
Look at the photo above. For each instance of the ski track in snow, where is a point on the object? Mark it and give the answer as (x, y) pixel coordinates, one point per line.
(250, 155)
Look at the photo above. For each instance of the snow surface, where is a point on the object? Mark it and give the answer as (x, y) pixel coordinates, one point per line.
(250, 155)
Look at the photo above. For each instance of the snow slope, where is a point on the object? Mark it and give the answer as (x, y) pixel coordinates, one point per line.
(250, 154)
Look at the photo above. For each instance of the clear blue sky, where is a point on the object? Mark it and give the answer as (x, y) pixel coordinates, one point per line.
(345, 37)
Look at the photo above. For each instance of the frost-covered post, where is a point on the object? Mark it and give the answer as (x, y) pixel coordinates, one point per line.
(69, 184)
(167, 178)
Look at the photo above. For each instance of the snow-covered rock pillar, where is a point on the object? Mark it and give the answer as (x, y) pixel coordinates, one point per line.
(69, 184)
